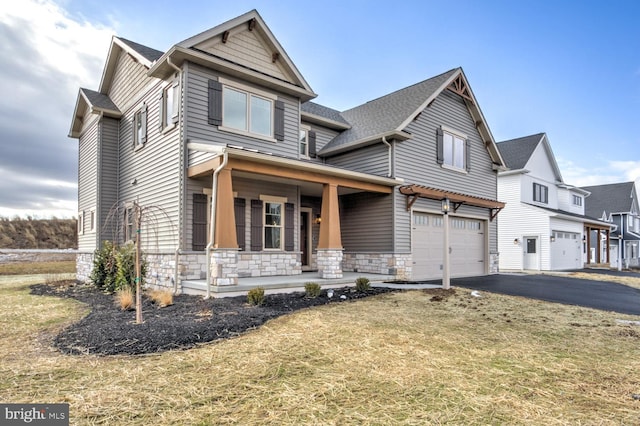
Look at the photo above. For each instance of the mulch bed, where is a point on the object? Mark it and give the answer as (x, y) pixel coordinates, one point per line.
(190, 321)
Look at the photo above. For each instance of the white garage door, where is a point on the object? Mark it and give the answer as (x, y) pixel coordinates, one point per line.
(565, 251)
(467, 242)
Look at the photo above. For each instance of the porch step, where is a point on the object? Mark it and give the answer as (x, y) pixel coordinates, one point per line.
(277, 284)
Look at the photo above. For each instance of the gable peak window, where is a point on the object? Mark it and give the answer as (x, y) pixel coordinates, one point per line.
(540, 193)
(453, 149)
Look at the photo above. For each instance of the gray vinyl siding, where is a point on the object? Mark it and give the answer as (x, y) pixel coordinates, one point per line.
(108, 180)
(129, 81)
(323, 137)
(373, 159)
(198, 128)
(415, 162)
(87, 180)
(156, 171)
(366, 222)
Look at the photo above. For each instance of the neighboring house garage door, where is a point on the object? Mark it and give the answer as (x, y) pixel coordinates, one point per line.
(467, 242)
(565, 251)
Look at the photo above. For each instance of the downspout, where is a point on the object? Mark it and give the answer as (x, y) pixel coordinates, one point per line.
(212, 221)
(178, 251)
(384, 141)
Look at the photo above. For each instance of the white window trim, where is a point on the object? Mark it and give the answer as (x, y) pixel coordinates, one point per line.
(578, 199)
(248, 90)
(273, 199)
(464, 137)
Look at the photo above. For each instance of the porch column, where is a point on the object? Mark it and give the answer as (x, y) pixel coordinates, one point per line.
(599, 247)
(224, 256)
(329, 256)
(607, 247)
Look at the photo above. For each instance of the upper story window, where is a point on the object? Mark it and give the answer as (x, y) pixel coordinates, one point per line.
(170, 105)
(238, 108)
(453, 149)
(92, 220)
(140, 127)
(540, 193)
(577, 200)
(303, 141)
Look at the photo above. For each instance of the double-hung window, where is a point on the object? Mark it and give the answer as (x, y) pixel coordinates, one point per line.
(140, 127)
(577, 200)
(170, 105)
(303, 141)
(540, 193)
(81, 222)
(453, 149)
(273, 215)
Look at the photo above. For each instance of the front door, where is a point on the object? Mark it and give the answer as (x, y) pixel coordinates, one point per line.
(531, 253)
(305, 238)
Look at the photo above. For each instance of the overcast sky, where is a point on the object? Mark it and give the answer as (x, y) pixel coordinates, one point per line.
(570, 69)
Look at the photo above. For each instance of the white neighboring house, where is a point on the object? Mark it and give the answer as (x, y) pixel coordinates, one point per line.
(543, 226)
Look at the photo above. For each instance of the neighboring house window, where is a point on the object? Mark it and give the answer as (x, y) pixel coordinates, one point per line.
(246, 110)
(140, 127)
(81, 223)
(169, 105)
(540, 193)
(577, 200)
(453, 149)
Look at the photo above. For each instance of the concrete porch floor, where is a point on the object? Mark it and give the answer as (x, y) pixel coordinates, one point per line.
(293, 283)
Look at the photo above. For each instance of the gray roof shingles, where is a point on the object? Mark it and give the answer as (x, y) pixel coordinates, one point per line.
(610, 198)
(387, 113)
(99, 100)
(323, 111)
(516, 152)
(147, 52)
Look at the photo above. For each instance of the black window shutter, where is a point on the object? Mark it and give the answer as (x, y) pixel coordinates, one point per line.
(199, 222)
(278, 121)
(439, 146)
(288, 226)
(239, 205)
(312, 143)
(215, 102)
(256, 225)
(467, 149)
(143, 119)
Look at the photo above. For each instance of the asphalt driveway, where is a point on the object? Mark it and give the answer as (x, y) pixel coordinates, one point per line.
(605, 296)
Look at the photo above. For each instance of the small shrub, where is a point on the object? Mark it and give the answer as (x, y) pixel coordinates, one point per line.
(312, 290)
(256, 296)
(125, 299)
(362, 284)
(162, 298)
(104, 267)
(126, 267)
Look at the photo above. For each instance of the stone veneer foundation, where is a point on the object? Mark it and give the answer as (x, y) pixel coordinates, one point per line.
(329, 263)
(398, 265)
(258, 264)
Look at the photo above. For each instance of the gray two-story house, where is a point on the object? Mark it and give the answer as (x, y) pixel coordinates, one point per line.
(240, 175)
(618, 204)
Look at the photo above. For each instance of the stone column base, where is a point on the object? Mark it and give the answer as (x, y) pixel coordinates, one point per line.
(329, 263)
(224, 267)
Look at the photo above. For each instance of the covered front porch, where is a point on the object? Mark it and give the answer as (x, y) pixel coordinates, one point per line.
(302, 200)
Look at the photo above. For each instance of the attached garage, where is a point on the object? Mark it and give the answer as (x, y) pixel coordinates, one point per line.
(467, 241)
(566, 250)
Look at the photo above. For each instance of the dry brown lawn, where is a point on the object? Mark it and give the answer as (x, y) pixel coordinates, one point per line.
(628, 281)
(399, 358)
